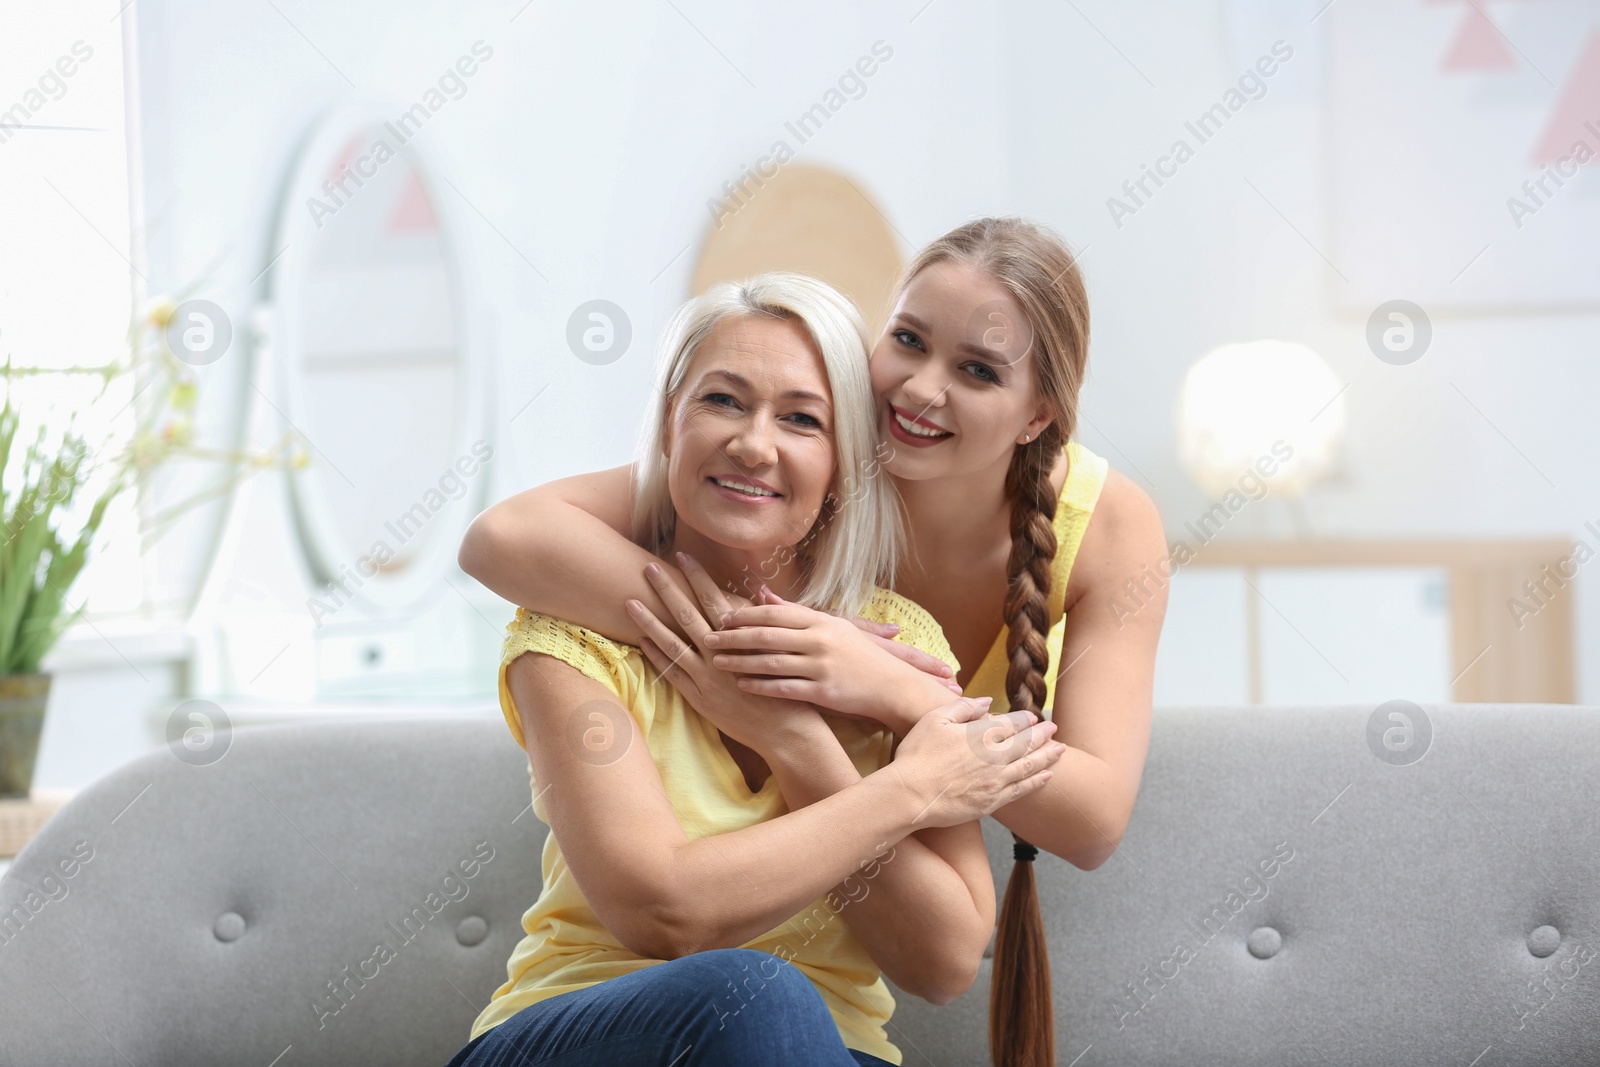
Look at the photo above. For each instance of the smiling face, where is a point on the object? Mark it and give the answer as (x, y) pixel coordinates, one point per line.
(954, 375)
(749, 438)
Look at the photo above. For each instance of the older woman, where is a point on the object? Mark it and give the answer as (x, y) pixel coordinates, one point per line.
(714, 856)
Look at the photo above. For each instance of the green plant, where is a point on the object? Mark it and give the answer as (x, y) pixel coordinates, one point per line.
(38, 564)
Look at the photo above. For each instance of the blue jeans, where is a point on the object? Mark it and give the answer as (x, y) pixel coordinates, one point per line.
(680, 1013)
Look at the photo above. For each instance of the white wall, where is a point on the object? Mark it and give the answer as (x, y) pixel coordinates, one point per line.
(1208, 261)
(588, 146)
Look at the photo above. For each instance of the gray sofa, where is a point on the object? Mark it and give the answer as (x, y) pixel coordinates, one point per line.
(1291, 891)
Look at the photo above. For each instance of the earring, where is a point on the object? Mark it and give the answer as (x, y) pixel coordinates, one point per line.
(1027, 437)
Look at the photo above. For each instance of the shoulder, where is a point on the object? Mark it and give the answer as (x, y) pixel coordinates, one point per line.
(917, 628)
(1123, 532)
(1081, 476)
(590, 653)
(1125, 508)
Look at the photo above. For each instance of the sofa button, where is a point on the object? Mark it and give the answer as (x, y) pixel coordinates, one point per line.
(229, 926)
(1264, 942)
(1543, 941)
(471, 930)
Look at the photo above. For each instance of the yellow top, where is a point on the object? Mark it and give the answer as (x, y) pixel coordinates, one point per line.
(1086, 473)
(566, 947)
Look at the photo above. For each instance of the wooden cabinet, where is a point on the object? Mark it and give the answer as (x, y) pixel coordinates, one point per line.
(1319, 622)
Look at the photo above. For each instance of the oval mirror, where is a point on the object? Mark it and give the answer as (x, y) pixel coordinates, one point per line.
(376, 363)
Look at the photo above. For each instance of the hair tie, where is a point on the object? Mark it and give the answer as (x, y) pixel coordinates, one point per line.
(1023, 852)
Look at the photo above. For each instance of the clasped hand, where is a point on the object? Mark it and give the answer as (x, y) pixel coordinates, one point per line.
(760, 723)
(803, 662)
(848, 667)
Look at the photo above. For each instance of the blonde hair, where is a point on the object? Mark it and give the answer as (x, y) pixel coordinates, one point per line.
(856, 541)
(1038, 269)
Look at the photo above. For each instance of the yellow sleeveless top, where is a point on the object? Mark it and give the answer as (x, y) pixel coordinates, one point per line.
(567, 948)
(1086, 473)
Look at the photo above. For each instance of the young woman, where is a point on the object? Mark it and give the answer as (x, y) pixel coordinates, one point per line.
(703, 838)
(1039, 563)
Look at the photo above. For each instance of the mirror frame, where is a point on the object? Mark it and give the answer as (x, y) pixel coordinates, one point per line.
(322, 543)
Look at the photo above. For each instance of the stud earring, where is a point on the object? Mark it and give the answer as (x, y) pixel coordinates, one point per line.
(1027, 437)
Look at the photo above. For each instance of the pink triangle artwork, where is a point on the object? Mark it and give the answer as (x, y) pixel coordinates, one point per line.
(1464, 154)
(1577, 110)
(1478, 46)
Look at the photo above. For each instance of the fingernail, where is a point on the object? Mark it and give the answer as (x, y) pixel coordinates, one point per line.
(652, 569)
(893, 628)
(633, 606)
(682, 559)
(984, 702)
(712, 638)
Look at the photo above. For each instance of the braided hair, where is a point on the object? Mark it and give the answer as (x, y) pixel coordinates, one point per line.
(1040, 272)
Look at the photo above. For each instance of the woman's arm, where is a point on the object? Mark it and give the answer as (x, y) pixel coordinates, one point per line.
(563, 549)
(1103, 695)
(928, 911)
(660, 894)
(663, 896)
(785, 650)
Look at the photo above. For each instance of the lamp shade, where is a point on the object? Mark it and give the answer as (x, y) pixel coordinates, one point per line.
(1240, 400)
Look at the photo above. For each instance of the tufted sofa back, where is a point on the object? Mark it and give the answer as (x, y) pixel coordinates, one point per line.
(233, 912)
(1302, 886)
(1291, 891)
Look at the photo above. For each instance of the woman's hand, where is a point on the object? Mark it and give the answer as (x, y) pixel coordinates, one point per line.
(966, 762)
(883, 634)
(880, 634)
(792, 651)
(762, 724)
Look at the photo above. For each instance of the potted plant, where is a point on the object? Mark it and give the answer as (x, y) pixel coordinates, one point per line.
(37, 567)
(43, 488)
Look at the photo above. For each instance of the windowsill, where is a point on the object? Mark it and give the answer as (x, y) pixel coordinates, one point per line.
(117, 642)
